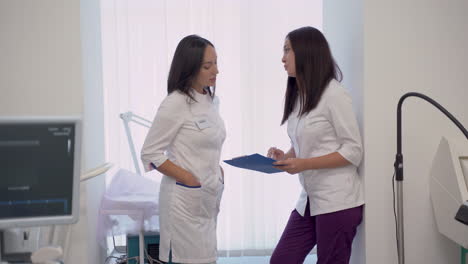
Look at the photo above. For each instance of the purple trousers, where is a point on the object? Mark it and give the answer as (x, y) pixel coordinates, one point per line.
(333, 233)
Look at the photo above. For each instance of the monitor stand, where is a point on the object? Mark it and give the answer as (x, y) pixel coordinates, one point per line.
(17, 244)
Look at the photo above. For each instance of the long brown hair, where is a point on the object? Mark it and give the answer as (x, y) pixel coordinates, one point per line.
(315, 68)
(186, 64)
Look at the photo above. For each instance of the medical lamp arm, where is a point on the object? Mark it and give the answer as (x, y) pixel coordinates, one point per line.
(399, 167)
(131, 117)
(399, 156)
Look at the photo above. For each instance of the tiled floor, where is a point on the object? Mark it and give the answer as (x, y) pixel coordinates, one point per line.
(311, 259)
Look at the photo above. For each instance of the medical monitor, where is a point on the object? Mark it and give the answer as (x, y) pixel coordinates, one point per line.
(449, 188)
(39, 171)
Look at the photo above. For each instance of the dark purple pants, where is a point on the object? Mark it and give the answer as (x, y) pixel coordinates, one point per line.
(333, 233)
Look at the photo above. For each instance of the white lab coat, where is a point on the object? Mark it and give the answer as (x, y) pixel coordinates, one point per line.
(190, 134)
(330, 127)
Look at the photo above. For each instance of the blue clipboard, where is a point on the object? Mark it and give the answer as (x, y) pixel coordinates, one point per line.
(254, 162)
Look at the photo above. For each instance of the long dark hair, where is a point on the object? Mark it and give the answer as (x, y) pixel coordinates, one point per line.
(315, 68)
(186, 64)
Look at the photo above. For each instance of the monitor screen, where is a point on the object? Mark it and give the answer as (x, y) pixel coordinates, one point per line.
(39, 171)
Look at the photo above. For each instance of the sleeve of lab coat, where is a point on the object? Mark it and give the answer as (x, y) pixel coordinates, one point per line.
(346, 127)
(167, 122)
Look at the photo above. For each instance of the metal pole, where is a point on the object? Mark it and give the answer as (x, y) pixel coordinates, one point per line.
(141, 242)
(400, 227)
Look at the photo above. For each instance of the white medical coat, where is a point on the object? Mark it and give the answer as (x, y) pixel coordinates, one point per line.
(330, 127)
(190, 134)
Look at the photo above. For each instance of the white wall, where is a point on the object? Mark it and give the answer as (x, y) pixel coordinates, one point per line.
(417, 45)
(406, 46)
(50, 65)
(343, 28)
(94, 150)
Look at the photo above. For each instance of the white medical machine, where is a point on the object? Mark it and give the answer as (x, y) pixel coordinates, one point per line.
(449, 189)
(39, 179)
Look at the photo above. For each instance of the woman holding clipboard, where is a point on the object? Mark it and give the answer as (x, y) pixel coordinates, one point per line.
(325, 151)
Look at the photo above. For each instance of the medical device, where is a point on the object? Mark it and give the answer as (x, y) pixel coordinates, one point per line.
(398, 165)
(39, 177)
(449, 189)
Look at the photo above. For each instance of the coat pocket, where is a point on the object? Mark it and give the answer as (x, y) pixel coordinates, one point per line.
(187, 200)
(211, 200)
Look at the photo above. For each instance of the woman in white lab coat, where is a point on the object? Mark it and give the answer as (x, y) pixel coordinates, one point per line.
(184, 143)
(326, 151)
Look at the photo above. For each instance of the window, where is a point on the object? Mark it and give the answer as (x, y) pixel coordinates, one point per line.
(139, 38)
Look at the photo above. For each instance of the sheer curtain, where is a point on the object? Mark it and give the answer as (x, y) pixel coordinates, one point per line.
(139, 39)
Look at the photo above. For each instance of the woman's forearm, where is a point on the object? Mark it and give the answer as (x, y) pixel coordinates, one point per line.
(332, 160)
(179, 174)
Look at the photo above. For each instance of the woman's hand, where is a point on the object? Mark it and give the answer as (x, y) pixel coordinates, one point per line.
(179, 174)
(291, 165)
(275, 153)
(222, 173)
(191, 181)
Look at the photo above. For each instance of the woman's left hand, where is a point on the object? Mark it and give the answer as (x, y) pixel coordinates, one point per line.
(222, 173)
(291, 165)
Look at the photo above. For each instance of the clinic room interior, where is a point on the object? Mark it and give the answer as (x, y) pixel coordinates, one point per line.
(92, 76)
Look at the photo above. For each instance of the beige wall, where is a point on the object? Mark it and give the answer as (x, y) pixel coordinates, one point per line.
(417, 45)
(49, 62)
(41, 69)
(40, 58)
